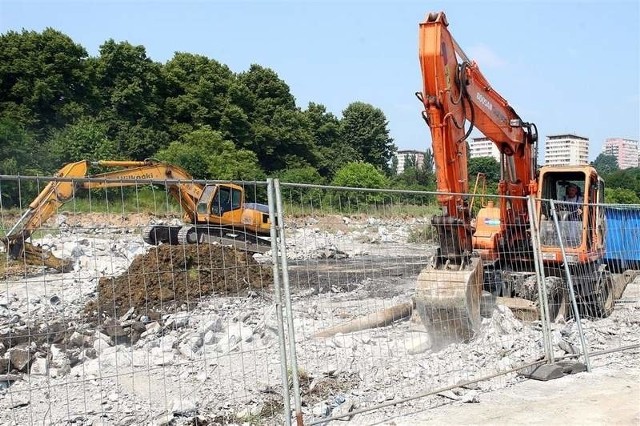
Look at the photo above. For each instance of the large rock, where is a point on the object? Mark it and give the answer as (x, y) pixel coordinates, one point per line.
(20, 357)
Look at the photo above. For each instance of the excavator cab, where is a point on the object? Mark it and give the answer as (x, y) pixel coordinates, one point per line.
(222, 201)
(577, 192)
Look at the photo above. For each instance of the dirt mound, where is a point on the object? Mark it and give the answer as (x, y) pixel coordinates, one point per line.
(169, 276)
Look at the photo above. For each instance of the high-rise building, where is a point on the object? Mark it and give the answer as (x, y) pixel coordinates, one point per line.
(566, 149)
(483, 147)
(625, 151)
(403, 155)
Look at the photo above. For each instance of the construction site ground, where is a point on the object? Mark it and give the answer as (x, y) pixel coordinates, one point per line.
(606, 396)
(339, 268)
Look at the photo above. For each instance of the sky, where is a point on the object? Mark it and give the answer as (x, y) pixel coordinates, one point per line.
(569, 67)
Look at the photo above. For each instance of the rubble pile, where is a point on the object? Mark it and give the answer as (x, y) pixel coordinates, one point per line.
(169, 342)
(168, 276)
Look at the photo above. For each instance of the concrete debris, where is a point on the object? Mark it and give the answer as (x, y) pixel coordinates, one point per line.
(196, 362)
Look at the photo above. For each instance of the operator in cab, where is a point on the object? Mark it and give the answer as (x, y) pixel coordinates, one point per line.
(574, 201)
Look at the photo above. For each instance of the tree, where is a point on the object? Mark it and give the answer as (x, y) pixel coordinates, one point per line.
(268, 93)
(85, 140)
(19, 155)
(196, 91)
(394, 165)
(359, 175)
(487, 165)
(285, 142)
(429, 164)
(325, 130)
(620, 196)
(308, 175)
(44, 82)
(130, 100)
(206, 155)
(605, 164)
(625, 179)
(364, 128)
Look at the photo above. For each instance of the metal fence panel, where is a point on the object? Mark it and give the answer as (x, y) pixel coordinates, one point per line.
(134, 333)
(354, 260)
(606, 285)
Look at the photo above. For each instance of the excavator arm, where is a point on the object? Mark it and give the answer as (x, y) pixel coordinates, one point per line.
(456, 98)
(63, 188)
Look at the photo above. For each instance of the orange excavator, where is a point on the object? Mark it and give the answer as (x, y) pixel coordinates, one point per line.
(496, 254)
(212, 212)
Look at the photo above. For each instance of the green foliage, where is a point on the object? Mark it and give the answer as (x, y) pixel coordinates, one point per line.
(84, 140)
(605, 164)
(19, 155)
(297, 195)
(487, 165)
(196, 92)
(359, 175)
(624, 179)
(129, 84)
(206, 155)
(620, 196)
(325, 131)
(364, 128)
(43, 79)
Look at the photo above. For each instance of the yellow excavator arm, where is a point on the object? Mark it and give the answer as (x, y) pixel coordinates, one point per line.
(64, 187)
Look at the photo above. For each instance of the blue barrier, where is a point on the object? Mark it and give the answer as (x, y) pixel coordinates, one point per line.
(622, 236)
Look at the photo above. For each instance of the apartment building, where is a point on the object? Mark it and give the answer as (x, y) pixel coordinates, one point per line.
(566, 149)
(483, 147)
(625, 151)
(408, 153)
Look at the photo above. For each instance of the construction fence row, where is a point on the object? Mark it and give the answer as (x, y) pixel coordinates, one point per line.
(114, 309)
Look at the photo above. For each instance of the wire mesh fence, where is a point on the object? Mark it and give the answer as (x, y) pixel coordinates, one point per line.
(600, 245)
(324, 303)
(370, 342)
(128, 332)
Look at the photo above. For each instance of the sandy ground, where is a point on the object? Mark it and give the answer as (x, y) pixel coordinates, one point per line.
(604, 396)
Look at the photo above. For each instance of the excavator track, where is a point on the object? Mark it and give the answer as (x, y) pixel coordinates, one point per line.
(192, 234)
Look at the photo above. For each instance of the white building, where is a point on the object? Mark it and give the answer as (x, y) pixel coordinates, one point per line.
(625, 151)
(566, 149)
(483, 147)
(408, 153)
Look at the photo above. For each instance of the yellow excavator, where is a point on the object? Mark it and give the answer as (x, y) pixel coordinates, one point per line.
(212, 212)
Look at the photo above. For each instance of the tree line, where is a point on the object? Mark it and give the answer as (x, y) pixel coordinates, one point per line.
(621, 186)
(60, 105)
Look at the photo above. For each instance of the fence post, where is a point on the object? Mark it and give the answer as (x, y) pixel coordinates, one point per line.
(287, 300)
(570, 285)
(278, 301)
(543, 298)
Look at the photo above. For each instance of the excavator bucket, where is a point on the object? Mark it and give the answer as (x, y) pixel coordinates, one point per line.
(34, 255)
(447, 302)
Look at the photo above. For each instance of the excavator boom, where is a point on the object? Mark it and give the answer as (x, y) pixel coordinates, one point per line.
(457, 98)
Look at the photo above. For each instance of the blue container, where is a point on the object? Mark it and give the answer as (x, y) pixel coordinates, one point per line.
(622, 237)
